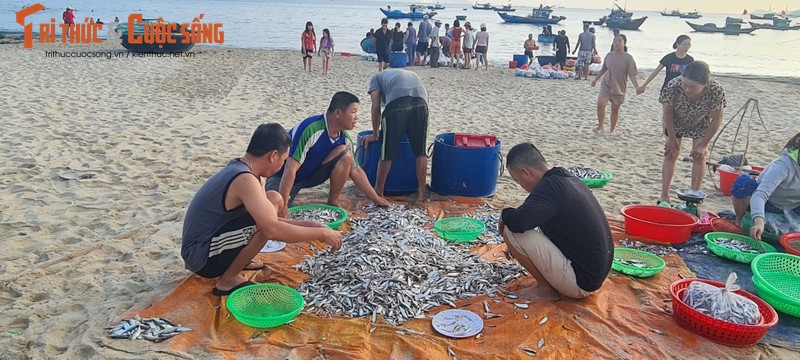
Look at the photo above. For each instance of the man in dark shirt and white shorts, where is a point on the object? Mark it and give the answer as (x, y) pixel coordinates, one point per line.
(560, 234)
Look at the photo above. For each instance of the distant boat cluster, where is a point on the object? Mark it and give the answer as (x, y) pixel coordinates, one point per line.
(733, 26)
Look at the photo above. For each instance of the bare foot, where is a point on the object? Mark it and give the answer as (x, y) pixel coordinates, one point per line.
(540, 291)
(226, 285)
(613, 132)
(598, 130)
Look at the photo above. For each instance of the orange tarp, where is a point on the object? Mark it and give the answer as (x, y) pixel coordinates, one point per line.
(616, 322)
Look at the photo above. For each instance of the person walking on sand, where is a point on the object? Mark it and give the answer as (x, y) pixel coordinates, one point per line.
(674, 62)
(586, 48)
(693, 107)
(308, 45)
(69, 18)
(406, 112)
(411, 42)
(455, 44)
(482, 47)
(423, 36)
(560, 234)
(326, 49)
(529, 46)
(322, 150)
(231, 217)
(620, 66)
(382, 38)
(435, 45)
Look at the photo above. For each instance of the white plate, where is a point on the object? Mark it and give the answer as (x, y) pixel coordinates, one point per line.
(273, 246)
(457, 323)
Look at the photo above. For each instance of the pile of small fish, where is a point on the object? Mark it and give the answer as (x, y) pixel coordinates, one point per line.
(632, 262)
(737, 245)
(321, 215)
(585, 172)
(391, 264)
(653, 249)
(153, 329)
(721, 303)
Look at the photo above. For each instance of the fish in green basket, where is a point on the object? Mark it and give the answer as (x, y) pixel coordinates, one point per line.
(632, 262)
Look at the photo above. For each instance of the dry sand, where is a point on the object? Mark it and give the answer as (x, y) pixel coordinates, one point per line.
(147, 132)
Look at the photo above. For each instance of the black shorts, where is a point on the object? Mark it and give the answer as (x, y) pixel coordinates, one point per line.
(309, 54)
(422, 47)
(226, 244)
(384, 55)
(319, 176)
(407, 115)
(480, 49)
(529, 53)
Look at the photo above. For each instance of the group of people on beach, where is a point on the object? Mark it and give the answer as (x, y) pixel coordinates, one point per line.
(308, 47)
(559, 234)
(455, 43)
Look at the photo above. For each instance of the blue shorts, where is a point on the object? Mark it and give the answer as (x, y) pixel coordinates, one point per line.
(744, 186)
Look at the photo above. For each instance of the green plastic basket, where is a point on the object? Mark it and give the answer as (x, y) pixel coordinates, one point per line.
(654, 263)
(598, 183)
(265, 305)
(333, 225)
(736, 255)
(459, 229)
(747, 223)
(776, 276)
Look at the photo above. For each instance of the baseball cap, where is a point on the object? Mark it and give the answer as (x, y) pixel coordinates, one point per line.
(437, 21)
(424, 17)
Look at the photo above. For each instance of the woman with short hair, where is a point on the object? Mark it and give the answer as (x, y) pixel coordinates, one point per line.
(693, 106)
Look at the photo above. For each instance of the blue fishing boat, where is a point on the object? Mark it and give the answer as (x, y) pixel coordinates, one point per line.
(397, 14)
(537, 16)
(546, 39)
(623, 20)
(733, 26)
(777, 24)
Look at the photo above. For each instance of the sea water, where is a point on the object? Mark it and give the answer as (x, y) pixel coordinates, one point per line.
(277, 24)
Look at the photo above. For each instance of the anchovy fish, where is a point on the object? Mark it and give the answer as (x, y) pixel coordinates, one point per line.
(392, 264)
(632, 262)
(585, 172)
(152, 329)
(736, 245)
(653, 249)
(320, 215)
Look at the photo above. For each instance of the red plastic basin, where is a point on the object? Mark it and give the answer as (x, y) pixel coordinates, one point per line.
(659, 224)
(726, 179)
(791, 242)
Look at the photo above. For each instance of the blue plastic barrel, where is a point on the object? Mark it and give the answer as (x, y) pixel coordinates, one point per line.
(402, 177)
(521, 59)
(463, 171)
(399, 59)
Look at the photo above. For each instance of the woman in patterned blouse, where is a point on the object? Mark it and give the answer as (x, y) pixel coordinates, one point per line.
(693, 108)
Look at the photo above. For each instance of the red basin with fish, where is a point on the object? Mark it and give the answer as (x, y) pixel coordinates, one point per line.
(659, 224)
(791, 242)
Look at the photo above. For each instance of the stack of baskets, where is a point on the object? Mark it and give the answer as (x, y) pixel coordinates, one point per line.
(776, 277)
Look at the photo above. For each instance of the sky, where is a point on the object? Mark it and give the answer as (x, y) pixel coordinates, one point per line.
(710, 6)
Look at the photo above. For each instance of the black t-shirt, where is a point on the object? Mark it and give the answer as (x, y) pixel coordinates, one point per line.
(561, 43)
(397, 40)
(674, 66)
(381, 39)
(568, 213)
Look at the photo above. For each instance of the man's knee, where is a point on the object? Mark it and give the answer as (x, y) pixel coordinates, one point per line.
(346, 160)
(275, 198)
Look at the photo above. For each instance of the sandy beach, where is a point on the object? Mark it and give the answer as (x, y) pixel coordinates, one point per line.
(102, 156)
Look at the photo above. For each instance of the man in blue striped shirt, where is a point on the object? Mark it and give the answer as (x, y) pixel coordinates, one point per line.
(321, 149)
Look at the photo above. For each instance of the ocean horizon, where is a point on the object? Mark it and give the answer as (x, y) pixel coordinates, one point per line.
(278, 24)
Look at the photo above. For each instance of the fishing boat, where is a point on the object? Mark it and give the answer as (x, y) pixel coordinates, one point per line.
(436, 7)
(673, 13)
(597, 22)
(486, 6)
(537, 16)
(397, 14)
(777, 24)
(623, 20)
(138, 29)
(765, 16)
(546, 39)
(733, 26)
(461, 17)
(504, 8)
(691, 15)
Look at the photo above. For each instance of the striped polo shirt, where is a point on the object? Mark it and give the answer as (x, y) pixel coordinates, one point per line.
(311, 144)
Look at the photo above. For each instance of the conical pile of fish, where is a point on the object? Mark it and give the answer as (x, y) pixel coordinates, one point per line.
(153, 329)
(391, 264)
(324, 216)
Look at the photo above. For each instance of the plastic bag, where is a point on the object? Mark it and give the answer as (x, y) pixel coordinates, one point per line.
(722, 303)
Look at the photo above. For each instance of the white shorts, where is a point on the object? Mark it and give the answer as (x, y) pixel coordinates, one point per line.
(548, 259)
